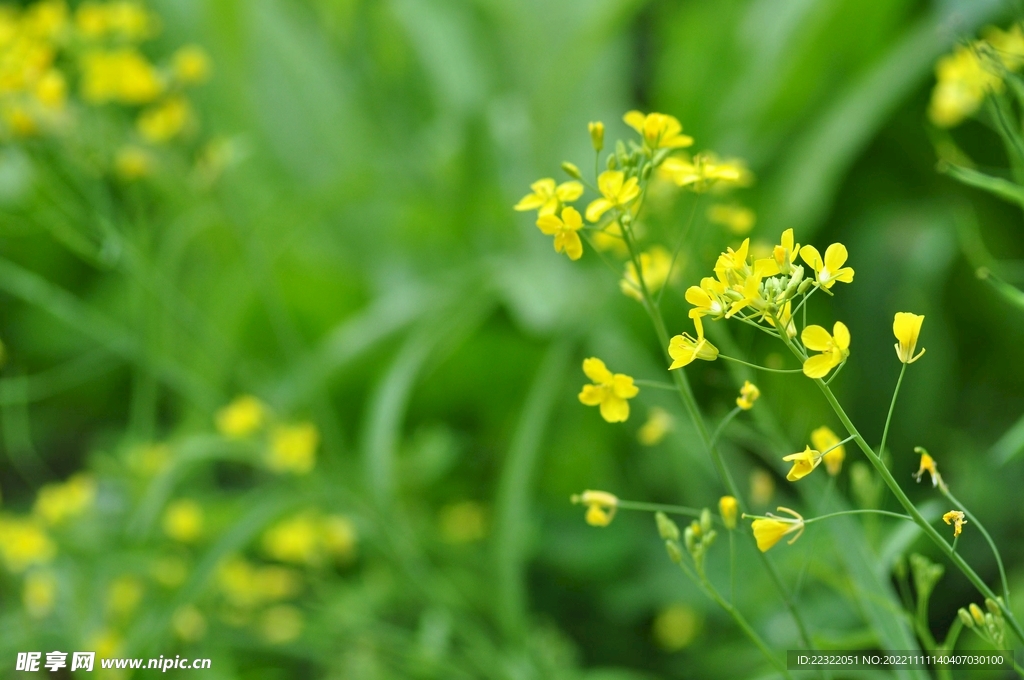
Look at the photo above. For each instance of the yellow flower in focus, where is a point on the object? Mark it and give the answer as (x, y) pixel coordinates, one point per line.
(601, 507)
(728, 506)
(23, 543)
(596, 130)
(963, 82)
(659, 130)
(56, 503)
(659, 424)
(831, 269)
(907, 327)
(736, 218)
(183, 521)
(762, 487)
(826, 440)
(785, 253)
(124, 595)
(295, 540)
(708, 299)
(547, 197)
(191, 65)
(123, 76)
(281, 624)
(803, 463)
(676, 627)
(928, 465)
(463, 522)
(188, 623)
(39, 593)
(769, 531)
(293, 448)
(748, 395)
(165, 121)
(564, 230)
(655, 264)
(609, 391)
(616, 192)
(704, 171)
(684, 349)
(242, 417)
(834, 348)
(956, 518)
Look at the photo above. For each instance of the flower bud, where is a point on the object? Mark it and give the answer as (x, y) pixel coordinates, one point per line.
(965, 618)
(804, 285)
(993, 606)
(727, 507)
(675, 553)
(691, 538)
(705, 521)
(645, 174)
(667, 529)
(612, 161)
(596, 130)
(976, 614)
(571, 170)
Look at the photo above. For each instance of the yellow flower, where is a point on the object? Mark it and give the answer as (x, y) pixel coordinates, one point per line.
(964, 81)
(785, 318)
(122, 75)
(768, 532)
(242, 417)
(956, 518)
(659, 424)
(655, 264)
(124, 595)
(39, 594)
(708, 299)
(785, 253)
(596, 130)
(133, 162)
(564, 230)
(827, 272)
(834, 348)
(293, 448)
(23, 543)
(165, 121)
(339, 537)
(245, 585)
(907, 327)
(676, 627)
(188, 623)
(462, 522)
(57, 503)
(825, 439)
(601, 507)
(281, 624)
(927, 465)
(762, 487)
(183, 520)
(704, 171)
(748, 395)
(191, 65)
(91, 20)
(609, 391)
(130, 20)
(1007, 45)
(659, 130)
(684, 349)
(296, 540)
(735, 218)
(727, 508)
(616, 192)
(547, 198)
(52, 89)
(803, 463)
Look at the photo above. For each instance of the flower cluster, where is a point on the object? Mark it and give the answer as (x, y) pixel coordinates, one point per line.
(289, 448)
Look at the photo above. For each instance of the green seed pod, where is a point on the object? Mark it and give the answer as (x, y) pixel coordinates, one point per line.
(571, 170)
(667, 529)
(965, 618)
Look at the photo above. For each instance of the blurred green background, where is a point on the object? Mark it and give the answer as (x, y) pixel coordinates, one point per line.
(359, 266)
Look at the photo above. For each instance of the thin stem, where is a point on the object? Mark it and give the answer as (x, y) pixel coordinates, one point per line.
(725, 421)
(675, 252)
(956, 539)
(836, 446)
(732, 566)
(761, 368)
(802, 303)
(836, 373)
(655, 384)
(659, 507)
(951, 636)
(992, 544)
(892, 406)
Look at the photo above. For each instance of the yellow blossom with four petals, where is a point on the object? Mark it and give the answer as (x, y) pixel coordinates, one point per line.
(830, 269)
(564, 229)
(610, 391)
(616, 192)
(547, 197)
(659, 130)
(834, 348)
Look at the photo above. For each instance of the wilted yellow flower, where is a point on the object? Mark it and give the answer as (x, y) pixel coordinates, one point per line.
(928, 465)
(564, 230)
(39, 593)
(676, 627)
(165, 121)
(659, 424)
(762, 487)
(684, 349)
(616, 192)
(188, 623)
(834, 348)
(23, 543)
(736, 218)
(242, 417)
(803, 463)
(956, 518)
(655, 264)
(183, 520)
(704, 171)
(462, 522)
(609, 391)
(601, 507)
(831, 269)
(964, 80)
(547, 197)
(56, 503)
(748, 395)
(659, 130)
(907, 327)
(768, 532)
(727, 508)
(596, 130)
(124, 595)
(825, 439)
(121, 75)
(293, 448)
(191, 65)
(281, 624)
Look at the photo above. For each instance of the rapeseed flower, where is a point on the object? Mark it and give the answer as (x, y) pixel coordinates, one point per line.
(709, 298)
(656, 265)
(596, 130)
(610, 391)
(601, 507)
(955, 518)
(826, 440)
(191, 65)
(281, 624)
(293, 448)
(907, 327)
(56, 503)
(831, 269)
(296, 540)
(834, 348)
(769, 530)
(547, 197)
(120, 75)
(963, 82)
(246, 586)
(659, 424)
(762, 487)
(564, 229)
(703, 171)
(659, 130)
(611, 239)
(24, 543)
(188, 623)
(736, 218)
(242, 417)
(616, 192)
(928, 465)
(676, 627)
(340, 537)
(124, 595)
(748, 395)
(39, 593)
(165, 121)
(804, 463)
(684, 349)
(133, 162)
(183, 521)
(727, 508)
(785, 253)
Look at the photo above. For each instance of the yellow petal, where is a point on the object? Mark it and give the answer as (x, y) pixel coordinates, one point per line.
(816, 338)
(549, 224)
(569, 191)
(623, 386)
(819, 365)
(768, 532)
(591, 395)
(614, 409)
(635, 120)
(597, 208)
(835, 257)
(812, 257)
(629, 191)
(572, 245)
(841, 335)
(529, 202)
(572, 219)
(595, 369)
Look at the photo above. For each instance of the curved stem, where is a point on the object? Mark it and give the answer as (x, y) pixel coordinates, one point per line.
(988, 538)
(658, 507)
(725, 421)
(867, 511)
(761, 368)
(892, 406)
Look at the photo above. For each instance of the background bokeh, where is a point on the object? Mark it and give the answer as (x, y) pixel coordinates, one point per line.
(357, 265)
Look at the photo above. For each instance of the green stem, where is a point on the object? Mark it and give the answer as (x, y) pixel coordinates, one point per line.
(867, 511)
(725, 421)
(892, 407)
(992, 544)
(675, 252)
(761, 368)
(732, 565)
(655, 384)
(658, 507)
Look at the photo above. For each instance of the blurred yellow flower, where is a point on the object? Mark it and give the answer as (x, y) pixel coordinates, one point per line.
(293, 448)
(45, 19)
(956, 518)
(106, 643)
(149, 459)
(52, 89)
(676, 627)
(736, 218)
(655, 264)
(124, 595)
(121, 75)
(748, 395)
(831, 269)
(246, 586)
(659, 130)
(188, 623)
(596, 130)
(462, 522)
(39, 593)
(803, 463)
(616, 192)
(191, 65)
(242, 417)
(728, 506)
(295, 540)
(564, 230)
(56, 503)
(824, 439)
(547, 197)
(281, 624)
(684, 349)
(834, 348)
(907, 327)
(762, 487)
(339, 537)
(703, 171)
(659, 423)
(133, 162)
(183, 520)
(609, 391)
(24, 543)
(601, 507)
(963, 82)
(769, 531)
(165, 121)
